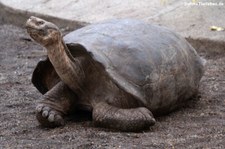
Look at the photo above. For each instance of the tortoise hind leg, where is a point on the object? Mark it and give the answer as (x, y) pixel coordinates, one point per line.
(56, 104)
(135, 119)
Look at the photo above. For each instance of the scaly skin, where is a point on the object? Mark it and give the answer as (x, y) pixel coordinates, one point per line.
(134, 119)
(56, 104)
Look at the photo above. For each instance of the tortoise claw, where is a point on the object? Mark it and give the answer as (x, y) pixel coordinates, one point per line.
(48, 117)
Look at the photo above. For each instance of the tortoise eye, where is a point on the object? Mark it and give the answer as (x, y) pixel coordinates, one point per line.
(39, 22)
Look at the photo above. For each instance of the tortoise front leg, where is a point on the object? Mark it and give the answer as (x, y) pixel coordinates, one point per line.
(134, 119)
(56, 103)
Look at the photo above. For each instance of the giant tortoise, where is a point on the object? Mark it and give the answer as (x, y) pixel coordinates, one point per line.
(123, 71)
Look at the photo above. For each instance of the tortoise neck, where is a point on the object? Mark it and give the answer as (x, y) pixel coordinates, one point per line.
(66, 66)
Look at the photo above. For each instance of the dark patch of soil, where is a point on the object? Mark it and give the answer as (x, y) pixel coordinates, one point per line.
(200, 124)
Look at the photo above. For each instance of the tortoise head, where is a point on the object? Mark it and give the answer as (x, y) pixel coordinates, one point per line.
(43, 32)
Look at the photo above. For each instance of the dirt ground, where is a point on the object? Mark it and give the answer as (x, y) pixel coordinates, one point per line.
(200, 124)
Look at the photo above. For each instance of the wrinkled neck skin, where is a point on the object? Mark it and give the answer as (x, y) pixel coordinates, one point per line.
(69, 69)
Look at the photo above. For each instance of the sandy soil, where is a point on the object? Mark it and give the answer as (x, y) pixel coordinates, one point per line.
(200, 124)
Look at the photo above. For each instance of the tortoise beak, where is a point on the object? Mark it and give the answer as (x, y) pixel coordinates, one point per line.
(39, 24)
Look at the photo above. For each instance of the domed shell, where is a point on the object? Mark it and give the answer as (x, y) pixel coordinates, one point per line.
(141, 58)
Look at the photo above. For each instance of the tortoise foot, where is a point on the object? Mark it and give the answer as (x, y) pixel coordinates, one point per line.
(49, 117)
(130, 120)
